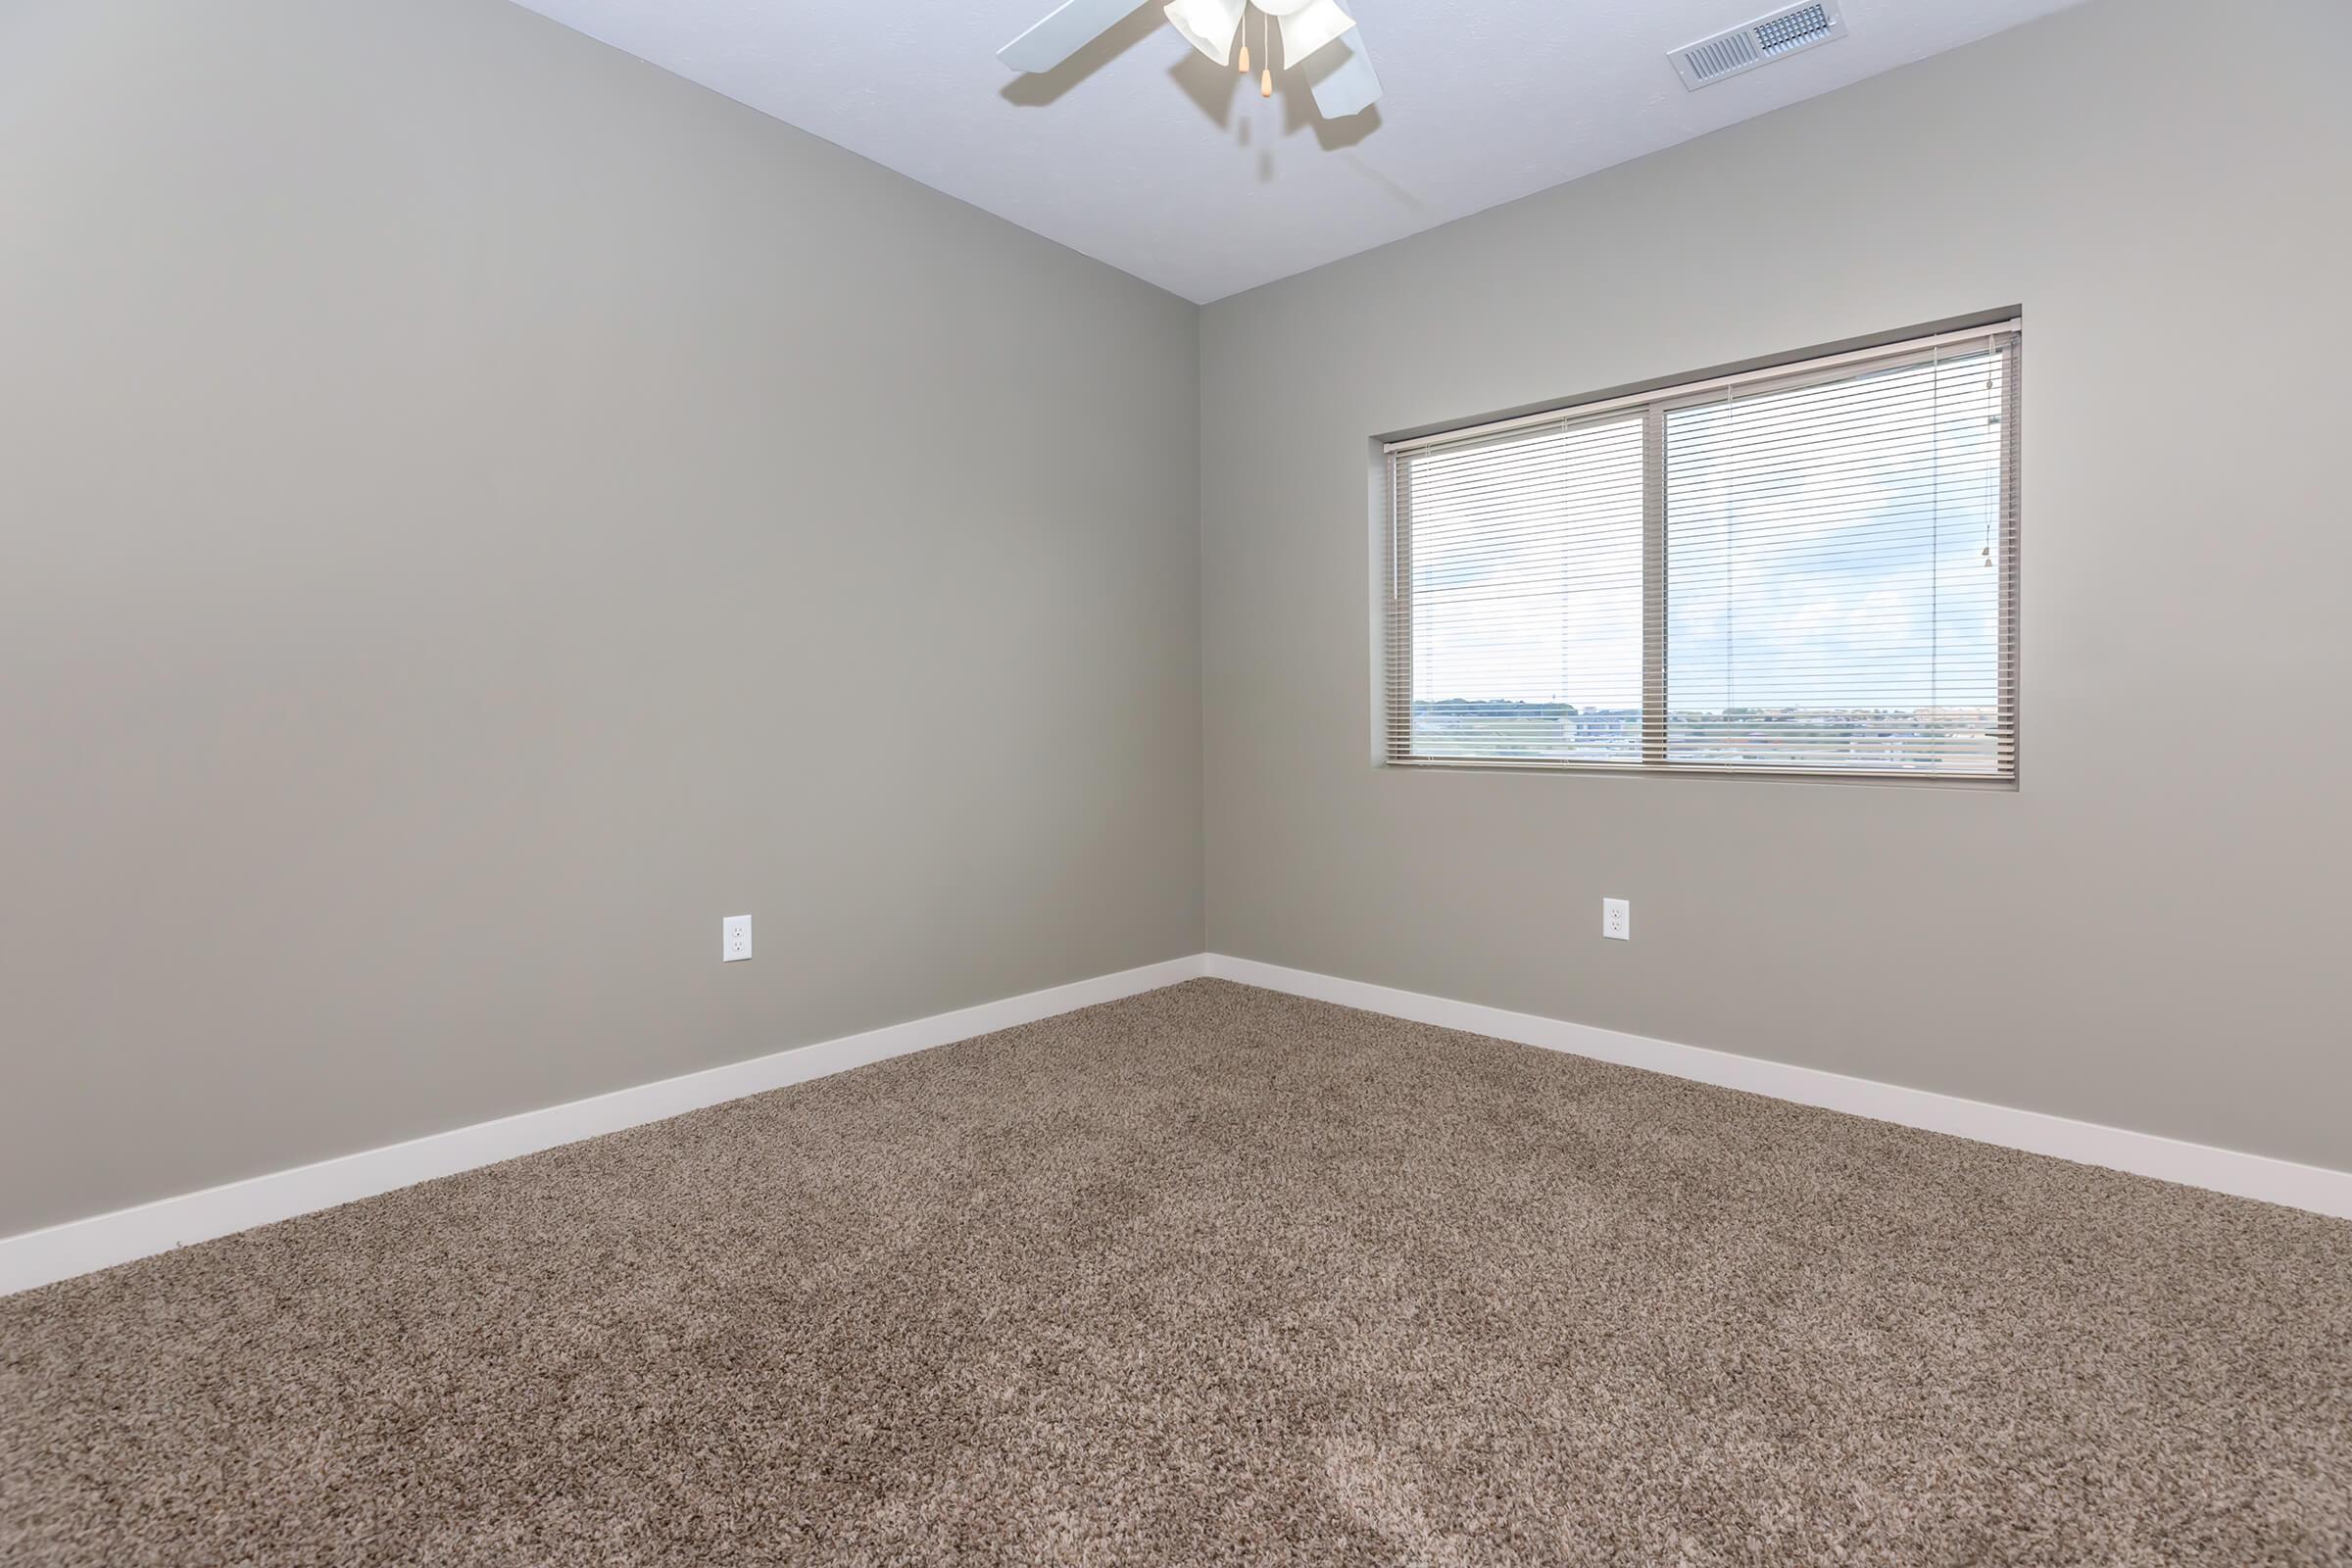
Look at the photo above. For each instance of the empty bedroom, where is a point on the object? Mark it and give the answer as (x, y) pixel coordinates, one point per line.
(1482, 784)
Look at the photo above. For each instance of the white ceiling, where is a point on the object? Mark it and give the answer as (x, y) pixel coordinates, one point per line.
(1143, 154)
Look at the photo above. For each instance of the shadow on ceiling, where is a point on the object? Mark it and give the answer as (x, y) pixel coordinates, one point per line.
(1214, 90)
(1035, 91)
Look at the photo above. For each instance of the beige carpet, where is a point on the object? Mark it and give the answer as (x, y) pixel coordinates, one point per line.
(1211, 1276)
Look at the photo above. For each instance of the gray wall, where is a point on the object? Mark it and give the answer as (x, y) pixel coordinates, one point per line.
(2150, 932)
(477, 510)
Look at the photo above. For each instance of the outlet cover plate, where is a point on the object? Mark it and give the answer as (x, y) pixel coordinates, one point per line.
(735, 938)
(1617, 919)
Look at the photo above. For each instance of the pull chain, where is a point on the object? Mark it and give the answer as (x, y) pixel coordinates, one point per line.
(1245, 40)
(1265, 84)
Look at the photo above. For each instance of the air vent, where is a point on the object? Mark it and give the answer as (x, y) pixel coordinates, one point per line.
(1759, 43)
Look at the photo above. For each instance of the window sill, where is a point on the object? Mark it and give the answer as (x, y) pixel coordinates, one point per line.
(2003, 783)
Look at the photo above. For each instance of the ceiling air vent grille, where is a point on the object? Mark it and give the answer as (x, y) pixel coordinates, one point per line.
(1758, 43)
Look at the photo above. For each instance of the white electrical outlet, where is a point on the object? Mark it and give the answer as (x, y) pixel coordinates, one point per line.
(734, 938)
(1617, 919)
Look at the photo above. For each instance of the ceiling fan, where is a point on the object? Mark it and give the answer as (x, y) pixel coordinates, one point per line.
(1345, 85)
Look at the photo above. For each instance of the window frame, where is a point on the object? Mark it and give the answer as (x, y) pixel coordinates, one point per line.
(1393, 621)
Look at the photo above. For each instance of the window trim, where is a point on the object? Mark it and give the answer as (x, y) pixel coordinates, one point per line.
(1393, 623)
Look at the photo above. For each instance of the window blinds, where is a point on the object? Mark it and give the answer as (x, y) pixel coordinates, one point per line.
(1811, 569)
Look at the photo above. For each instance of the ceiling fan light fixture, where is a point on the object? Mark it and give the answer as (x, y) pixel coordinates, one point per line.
(1342, 83)
(1208, 26)
(1310, 27)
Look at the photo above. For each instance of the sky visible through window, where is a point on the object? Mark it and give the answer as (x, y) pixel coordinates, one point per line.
(1833, 572)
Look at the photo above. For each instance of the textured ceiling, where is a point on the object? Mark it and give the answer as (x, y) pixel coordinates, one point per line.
(1146, 155)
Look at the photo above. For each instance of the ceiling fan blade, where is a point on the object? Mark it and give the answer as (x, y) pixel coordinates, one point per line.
(1311, 26)
(1349, 86)
(1064, 30)
(1208, 26)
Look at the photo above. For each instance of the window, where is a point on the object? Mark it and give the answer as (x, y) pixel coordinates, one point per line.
(1810, 569)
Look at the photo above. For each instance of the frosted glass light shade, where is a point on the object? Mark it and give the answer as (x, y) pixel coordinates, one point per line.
(1208, 26)
(1308, 29)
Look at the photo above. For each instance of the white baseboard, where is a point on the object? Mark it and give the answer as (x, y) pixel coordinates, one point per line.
(38, 1258)
(2223, 1170)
